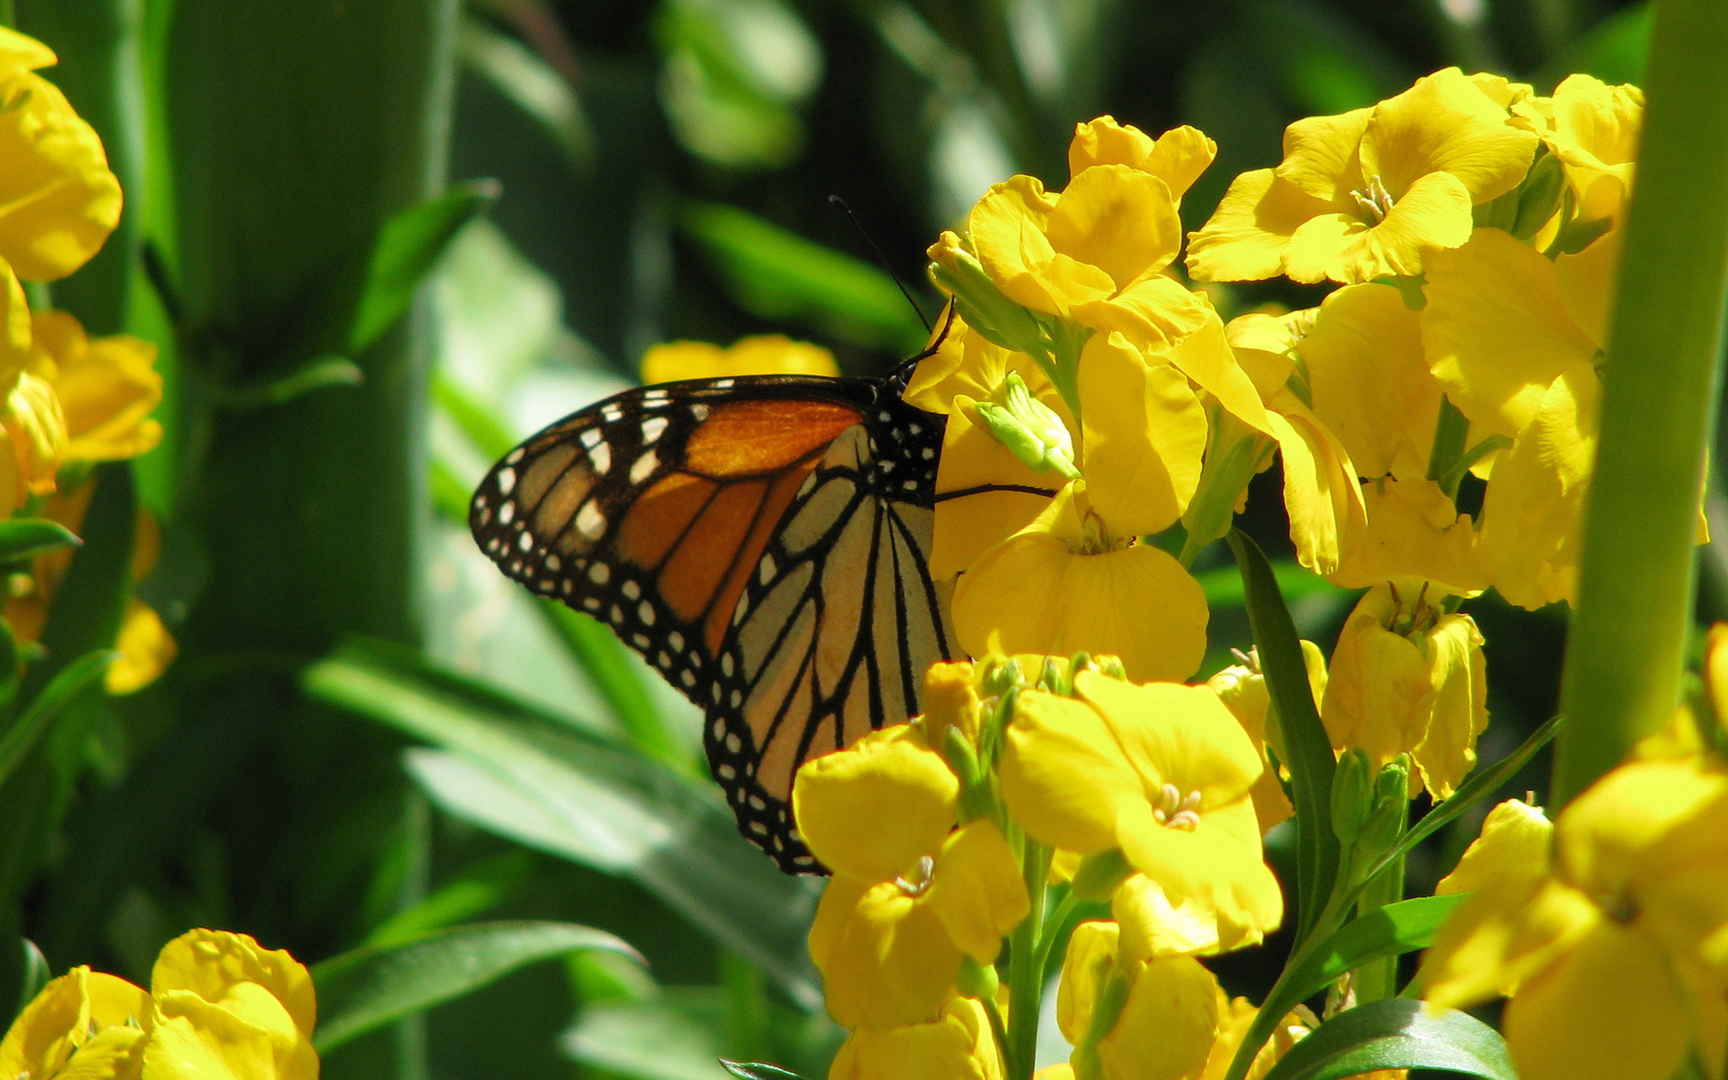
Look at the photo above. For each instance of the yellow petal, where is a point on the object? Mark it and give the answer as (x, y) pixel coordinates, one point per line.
(1118, 219)
(1320, 154)
(1037, 592)
(1446, 124)
(1611, 1009)
(957, 1045)
(1063, 774)
(1379, 694)
(1007, 228)
(213, 965)
(107, 389)
(1090, 957)
(1414, 531)
(1176, 734)
(1498, 330)
(1458, 673)
(1213, 871)
(871, 810)
(1368, 379)
(58, 201)
(1246, 236)
(1206, 357)
(146, 649)
(1177, 157)
(1321, 494)
(1152, 311)
(978, 891)
(1145, 432)
(1509, 932)
(1513, 846)
(60, 1018)
(1531, 514)
(885, 958)
(1167, 1025)
(21, 52)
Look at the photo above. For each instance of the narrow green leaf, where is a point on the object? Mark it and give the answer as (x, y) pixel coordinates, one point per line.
(22, 538)
(407, 248)
(776, 274)
(516, 771)
(470, 891)
(367, 988)
(1387, 931)
(62, 690)
(1397, 1034)
(1305, 742)
(756, 1070)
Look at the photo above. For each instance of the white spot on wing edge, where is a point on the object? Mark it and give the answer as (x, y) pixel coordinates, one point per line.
(590, 522)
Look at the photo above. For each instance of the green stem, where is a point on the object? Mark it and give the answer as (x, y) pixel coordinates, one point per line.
(1025, 969)
(1378, 979)
(1626, 648)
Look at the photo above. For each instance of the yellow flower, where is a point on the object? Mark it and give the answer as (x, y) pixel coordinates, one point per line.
(1177, 157)
(83, 1023)
(762, 354)
(908, 897)
(1094, 253)
(1608, 928)
(1407, 677)
(1592, 128)
(956, 1045)
(1364, 194)
(219, 1005)
(1161, 771)
(1067, 582)
(61, 200)
(1411, 530)
(1129, 1015)
(107, 388)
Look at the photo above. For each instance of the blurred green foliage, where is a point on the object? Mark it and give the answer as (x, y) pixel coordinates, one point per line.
(369, 734)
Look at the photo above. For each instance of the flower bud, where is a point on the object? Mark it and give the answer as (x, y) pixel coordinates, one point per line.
(1030, 429)
(1351, 803)
(957, 271)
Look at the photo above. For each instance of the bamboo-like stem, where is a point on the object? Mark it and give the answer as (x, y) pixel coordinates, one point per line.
(1626, 648)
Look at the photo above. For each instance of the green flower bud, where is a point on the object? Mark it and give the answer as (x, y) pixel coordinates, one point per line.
(958, 272)
(1351, 802)
(1029, 429)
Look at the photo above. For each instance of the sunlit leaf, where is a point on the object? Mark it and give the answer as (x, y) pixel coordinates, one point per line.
(22, 538)
(1397, 1034)
(367, 988)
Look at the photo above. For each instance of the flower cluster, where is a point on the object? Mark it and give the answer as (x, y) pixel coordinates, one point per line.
(218, 1005)
(67, 401)
(944, 833)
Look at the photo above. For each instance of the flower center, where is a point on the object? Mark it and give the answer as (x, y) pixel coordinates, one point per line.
(1375, 202)
(917, 882)
(1176, 810)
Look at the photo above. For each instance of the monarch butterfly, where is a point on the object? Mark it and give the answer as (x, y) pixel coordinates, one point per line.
(762, 541)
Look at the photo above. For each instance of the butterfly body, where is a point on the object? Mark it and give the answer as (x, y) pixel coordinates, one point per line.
(761, 541)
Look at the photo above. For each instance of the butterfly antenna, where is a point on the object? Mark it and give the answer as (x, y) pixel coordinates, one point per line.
(881, 257)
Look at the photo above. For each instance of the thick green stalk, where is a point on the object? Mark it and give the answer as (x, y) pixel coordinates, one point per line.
(1626, 650)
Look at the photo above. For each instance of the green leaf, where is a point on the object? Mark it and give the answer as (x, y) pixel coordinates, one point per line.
(778, 275)
(22, 538)
(1391, 930)
(62, 690)
(367, 988)
(532, 777)
(318, 373)
(468, 892)
(756, 1070)
(407, 248)
(1308, 749)
(1397, 1034)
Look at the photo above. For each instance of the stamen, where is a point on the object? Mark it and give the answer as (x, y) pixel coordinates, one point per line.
(1176, 810)
(1376, 202)
(922, 875)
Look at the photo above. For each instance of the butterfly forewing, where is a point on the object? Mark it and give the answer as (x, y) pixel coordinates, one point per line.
(761, 541)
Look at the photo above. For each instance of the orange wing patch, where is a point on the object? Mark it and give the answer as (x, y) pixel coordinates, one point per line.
(659, 516)
(764, 436)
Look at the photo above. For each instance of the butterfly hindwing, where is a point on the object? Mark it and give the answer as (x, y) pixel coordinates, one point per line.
(762, 541)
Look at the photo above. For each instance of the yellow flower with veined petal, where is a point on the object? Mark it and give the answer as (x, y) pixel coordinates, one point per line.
(60, 199)
(1608, 929)
(1063, 584)
(1364, 194)
(1132, 1016)
(1161, 771)
(1408, 677)
(909, 897)
(761, 354)
(1095, 252)
(1177, 157)
(218, 1005)
(1593, 129)
(956, 1045)
(107, 387)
